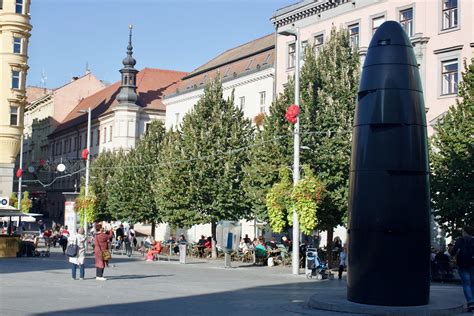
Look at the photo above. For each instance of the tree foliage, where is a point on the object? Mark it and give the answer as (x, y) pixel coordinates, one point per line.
(130, 195)
(25, 204)
(452, 160)
(102, 172)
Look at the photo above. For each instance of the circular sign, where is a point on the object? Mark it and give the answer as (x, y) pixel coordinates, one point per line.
(61, 167)
(31, 169)
(3, 201)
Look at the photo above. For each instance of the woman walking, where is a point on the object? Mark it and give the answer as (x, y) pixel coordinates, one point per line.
(78, 260)
(101, 245)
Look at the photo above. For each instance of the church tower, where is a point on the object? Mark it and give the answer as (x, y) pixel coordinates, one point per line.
(127, 110)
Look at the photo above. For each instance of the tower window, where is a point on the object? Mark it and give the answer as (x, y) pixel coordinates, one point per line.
(15, 79)
(13, 115)
(17, 45)
(19, 7)
(125, 80)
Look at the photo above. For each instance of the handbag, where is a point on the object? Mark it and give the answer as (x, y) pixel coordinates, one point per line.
(106, 255)
(72, 249)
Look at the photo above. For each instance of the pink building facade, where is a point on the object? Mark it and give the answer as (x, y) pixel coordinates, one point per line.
(441, 31)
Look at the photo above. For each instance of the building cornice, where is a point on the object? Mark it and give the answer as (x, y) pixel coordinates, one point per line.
(223, 80)
(447, 49)
(197, 93)
(302, 11)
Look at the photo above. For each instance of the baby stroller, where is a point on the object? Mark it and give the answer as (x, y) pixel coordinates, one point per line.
(314, 266)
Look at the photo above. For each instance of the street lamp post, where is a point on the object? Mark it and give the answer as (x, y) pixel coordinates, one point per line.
(88, 161)
(295, 259)
(21, 176)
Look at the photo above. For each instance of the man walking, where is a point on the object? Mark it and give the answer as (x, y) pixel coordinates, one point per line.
(464, 251)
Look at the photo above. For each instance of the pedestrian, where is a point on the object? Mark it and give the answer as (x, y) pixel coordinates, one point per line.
(101, 250)
(464, 251)
(78, 261)
(342, 261)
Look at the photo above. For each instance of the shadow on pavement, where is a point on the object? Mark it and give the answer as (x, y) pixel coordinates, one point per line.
(137, 276)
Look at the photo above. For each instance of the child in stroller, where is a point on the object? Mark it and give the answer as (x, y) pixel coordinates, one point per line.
(314, 266)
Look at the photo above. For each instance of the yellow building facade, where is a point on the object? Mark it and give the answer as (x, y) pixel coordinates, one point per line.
(15, 31)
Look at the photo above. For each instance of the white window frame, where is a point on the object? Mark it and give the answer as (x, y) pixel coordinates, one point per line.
(405, 23)
(377, 17)
(110, 133)
(318, 45)
(449, 86)
(291, 55)
(242, 103)
(354, 43)
(454, 14)
(14, 115)
(13, 76)
(262, 102)
(16, 44)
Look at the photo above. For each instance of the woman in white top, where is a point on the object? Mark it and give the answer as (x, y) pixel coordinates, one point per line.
(78, 260)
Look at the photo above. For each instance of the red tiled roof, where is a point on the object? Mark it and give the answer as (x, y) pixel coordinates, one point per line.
(34, 93)
(152, 83)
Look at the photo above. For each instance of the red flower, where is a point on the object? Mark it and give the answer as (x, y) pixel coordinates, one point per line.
(19, 172)
(42, 162)
(85, 154)
(292, 113)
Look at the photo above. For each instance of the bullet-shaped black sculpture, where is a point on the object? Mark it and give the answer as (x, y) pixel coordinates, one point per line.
(389, 227)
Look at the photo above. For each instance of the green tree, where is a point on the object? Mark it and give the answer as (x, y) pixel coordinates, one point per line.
(272, 148)
(452, 160)
(102, 171)
(330, 89)
(171, 183)
(211, 133)
(136, 174)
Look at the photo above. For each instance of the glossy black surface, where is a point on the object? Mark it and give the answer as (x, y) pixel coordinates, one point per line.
(389, 230)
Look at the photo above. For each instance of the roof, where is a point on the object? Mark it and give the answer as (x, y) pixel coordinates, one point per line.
(242, 60)
(236, 53)
(34, 93)
(152, 83)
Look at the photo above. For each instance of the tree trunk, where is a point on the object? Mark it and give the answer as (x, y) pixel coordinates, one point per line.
(153, 226)
(213, 233)
(329, 248)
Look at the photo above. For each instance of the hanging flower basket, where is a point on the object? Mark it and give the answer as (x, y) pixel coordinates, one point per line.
(292, 113)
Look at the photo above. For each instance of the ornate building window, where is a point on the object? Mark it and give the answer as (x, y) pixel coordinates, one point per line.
(16, 79)
(13, 115)
(17, 45)
(449, 77)
(406, 21)
(450, 14)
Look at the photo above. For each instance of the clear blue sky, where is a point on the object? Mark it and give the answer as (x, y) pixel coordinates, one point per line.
(168, 34)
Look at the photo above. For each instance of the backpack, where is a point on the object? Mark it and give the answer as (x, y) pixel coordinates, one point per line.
(466, 253)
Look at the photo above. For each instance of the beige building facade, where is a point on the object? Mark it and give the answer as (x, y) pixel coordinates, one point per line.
(15, 31)
(441, 32)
